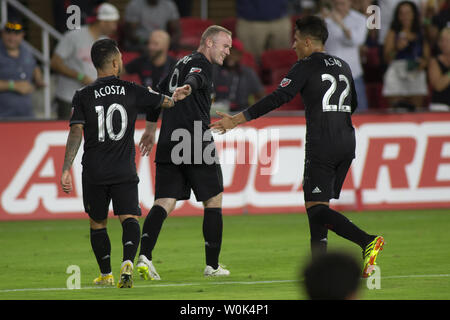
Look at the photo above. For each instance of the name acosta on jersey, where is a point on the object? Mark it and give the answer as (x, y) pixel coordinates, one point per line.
(107, 90)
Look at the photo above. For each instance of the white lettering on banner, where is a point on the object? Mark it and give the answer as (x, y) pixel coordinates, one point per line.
(47, 192)
(396, 163)
(400, 169)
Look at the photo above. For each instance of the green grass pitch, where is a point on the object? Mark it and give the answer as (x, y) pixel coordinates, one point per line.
(263, 252)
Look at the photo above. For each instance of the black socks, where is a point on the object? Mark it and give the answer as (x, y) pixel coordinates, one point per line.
(212, 233)
(150, 231)
(321, 218)
(102, 249)
(101, 244)
(130, 238)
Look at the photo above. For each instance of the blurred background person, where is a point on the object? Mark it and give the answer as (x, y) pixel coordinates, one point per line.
(406, 53)
(237, 86)
(387, 8)
(155, 64)
(347, 33)
(439, 21)
(72, 58)
(144, 16)
(263, 25)
(439, 74)
(332, 276)
(19, 73)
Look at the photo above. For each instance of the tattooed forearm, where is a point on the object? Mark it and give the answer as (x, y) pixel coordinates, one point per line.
(168, 102)
(72, 145)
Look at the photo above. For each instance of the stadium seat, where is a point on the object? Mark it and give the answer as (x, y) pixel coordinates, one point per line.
(249, 60)
(275, 63)
(128, 56)
(191, 31)
(375, 96)
(230, 24)
(295, 104)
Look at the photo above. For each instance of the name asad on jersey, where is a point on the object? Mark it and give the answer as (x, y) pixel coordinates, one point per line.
(107, 90)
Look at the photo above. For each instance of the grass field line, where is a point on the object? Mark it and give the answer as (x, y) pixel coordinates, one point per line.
(153, 284)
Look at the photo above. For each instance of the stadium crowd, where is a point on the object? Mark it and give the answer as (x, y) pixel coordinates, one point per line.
(399, 51)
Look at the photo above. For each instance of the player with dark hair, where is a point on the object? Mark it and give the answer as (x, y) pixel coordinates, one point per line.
(105, 111)
(332, 276)
(326, 85)
(194, 167)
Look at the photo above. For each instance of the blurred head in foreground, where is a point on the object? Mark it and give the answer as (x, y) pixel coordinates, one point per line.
(332, 276)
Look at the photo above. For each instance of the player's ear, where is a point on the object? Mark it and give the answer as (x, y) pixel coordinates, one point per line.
(209, 42)
(115, 61)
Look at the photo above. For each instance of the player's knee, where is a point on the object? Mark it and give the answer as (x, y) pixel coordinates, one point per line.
(314, 212)
(168, 204)
(97, 224)
(214, 202)
(129, 220)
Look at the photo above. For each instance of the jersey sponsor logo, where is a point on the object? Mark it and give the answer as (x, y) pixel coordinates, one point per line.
(195, 70)
(285, 82)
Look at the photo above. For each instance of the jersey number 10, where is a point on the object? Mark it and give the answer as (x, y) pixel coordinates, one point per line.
(108, 123)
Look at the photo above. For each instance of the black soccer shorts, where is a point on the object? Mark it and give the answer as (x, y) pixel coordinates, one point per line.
(323, 180)
(176, 181)
(97, 198)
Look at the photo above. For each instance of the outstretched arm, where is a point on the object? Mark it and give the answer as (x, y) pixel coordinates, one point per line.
(181, 93)
(72, 146)
(227, 122)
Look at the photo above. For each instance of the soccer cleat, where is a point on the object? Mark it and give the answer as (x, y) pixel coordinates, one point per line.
(126, 275)
(107, 280)
(370, 253)
(219, 272)
(146, 269)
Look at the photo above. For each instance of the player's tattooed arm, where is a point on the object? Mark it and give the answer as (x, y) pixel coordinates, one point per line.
(72, 145)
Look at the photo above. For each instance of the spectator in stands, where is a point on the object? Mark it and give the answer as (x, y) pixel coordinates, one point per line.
(237, 86)
(263, 25)
(144, 16)
(438, 22)
(19, 74)
(155, 64)
(72, 60)
(439, 74)
(407, 54)
(387, 8)
(332, 276)
(347, 33)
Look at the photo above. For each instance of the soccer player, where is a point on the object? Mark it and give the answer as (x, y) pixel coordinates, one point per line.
(105, 111)
(195, 166)
(327, 88)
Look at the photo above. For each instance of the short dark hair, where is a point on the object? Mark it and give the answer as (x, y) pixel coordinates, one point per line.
(312, 26)
(102, 50)
(332, 276)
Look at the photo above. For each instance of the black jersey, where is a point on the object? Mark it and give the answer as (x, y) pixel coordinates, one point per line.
(327, 88)
(190, 115)
(107, 109)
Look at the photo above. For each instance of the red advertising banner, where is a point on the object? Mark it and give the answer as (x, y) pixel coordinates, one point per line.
(402, 161)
